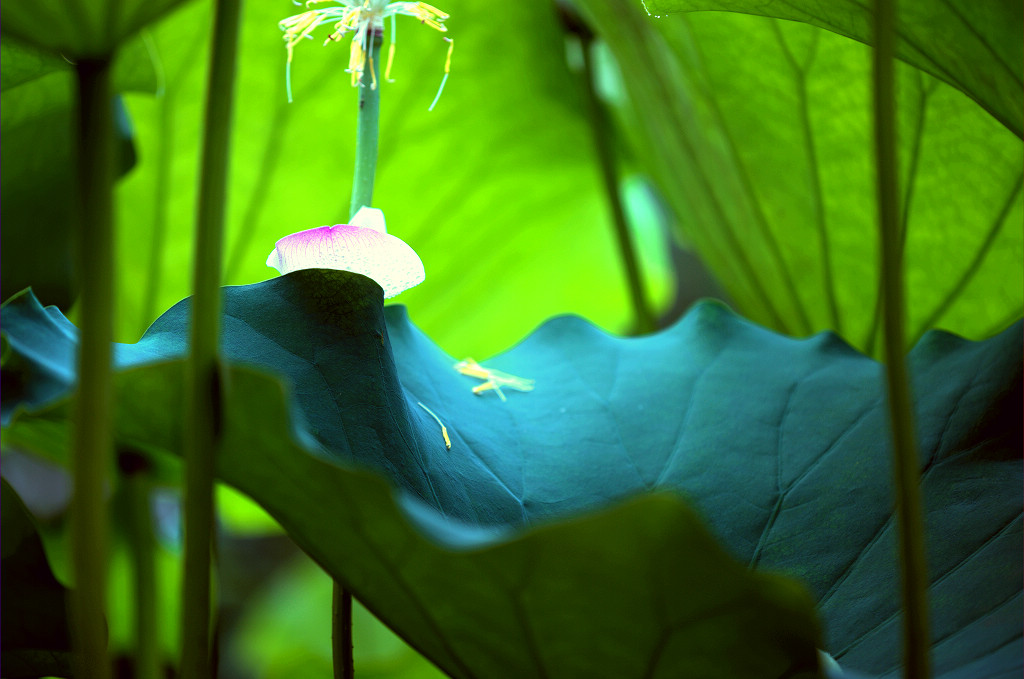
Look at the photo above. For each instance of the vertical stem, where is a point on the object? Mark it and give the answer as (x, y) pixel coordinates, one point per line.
(203, 418)
(367, 124)
(601, 126)
(341, 633)
(142, 545)
(906, 474)
(92, 443)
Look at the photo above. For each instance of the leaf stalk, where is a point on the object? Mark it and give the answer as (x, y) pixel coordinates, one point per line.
(604, 135)
(203, 374)
(92, 433)
(906, 474)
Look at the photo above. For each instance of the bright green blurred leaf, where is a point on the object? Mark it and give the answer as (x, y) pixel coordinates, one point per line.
(781, 443)
(976, 47)
(80, 29)
(240, 515)
(766, 163)
(496, 189)
(282, 634)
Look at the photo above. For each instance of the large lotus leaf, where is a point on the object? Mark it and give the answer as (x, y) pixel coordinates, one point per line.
(767, 166)
(781, 443)
(489, 187)
(974, 46)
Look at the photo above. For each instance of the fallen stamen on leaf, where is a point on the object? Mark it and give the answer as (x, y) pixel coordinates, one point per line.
(493, 379)
(444, 429)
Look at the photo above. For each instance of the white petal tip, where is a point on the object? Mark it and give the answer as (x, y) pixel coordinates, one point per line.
(274, 260)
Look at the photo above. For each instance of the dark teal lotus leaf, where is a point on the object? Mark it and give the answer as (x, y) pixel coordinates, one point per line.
(780, 443)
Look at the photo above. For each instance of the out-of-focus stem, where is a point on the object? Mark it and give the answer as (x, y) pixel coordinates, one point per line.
(142, 545)
(92, 438)
(906, 470)
(204, 385)
(604, 135)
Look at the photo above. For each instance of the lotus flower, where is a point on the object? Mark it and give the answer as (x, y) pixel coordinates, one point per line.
(365, 20)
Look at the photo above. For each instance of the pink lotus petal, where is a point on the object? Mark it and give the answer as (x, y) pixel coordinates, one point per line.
(384, 258)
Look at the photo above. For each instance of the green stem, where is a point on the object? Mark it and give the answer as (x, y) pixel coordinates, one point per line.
(367, 125)
(142, 545)
(601, 126)
(341, 633)
(204, 384)
(92, 442)
(906, 474)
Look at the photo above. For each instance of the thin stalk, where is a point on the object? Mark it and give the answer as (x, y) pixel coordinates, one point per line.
(367, 124)
(601, 126)
(142, 545)
(906, 474)
(204, 384)
(92, 437)
(341, 633)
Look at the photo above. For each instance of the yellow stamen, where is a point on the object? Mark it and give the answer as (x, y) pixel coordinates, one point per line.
(355, 61)
(444, 429)
(430, 9)
(444, 79)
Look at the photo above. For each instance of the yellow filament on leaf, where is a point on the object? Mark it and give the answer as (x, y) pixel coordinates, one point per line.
(444, 429)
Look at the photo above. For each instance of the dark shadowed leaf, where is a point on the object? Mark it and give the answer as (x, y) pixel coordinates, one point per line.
(974, 46)
(35, 638)
(780, 443)
(79, 29)
(38, 183)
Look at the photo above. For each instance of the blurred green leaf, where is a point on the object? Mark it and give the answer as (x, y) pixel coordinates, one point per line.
(22, 65)
(80, 29)
(781, 443)
(496, 189)
(766, 163)
(35, 640)
(976, 47)
(282, 633)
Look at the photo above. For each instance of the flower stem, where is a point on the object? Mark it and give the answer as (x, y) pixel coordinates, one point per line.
(906, 474)
(92, 437)
(367, 126)
(204, 384)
